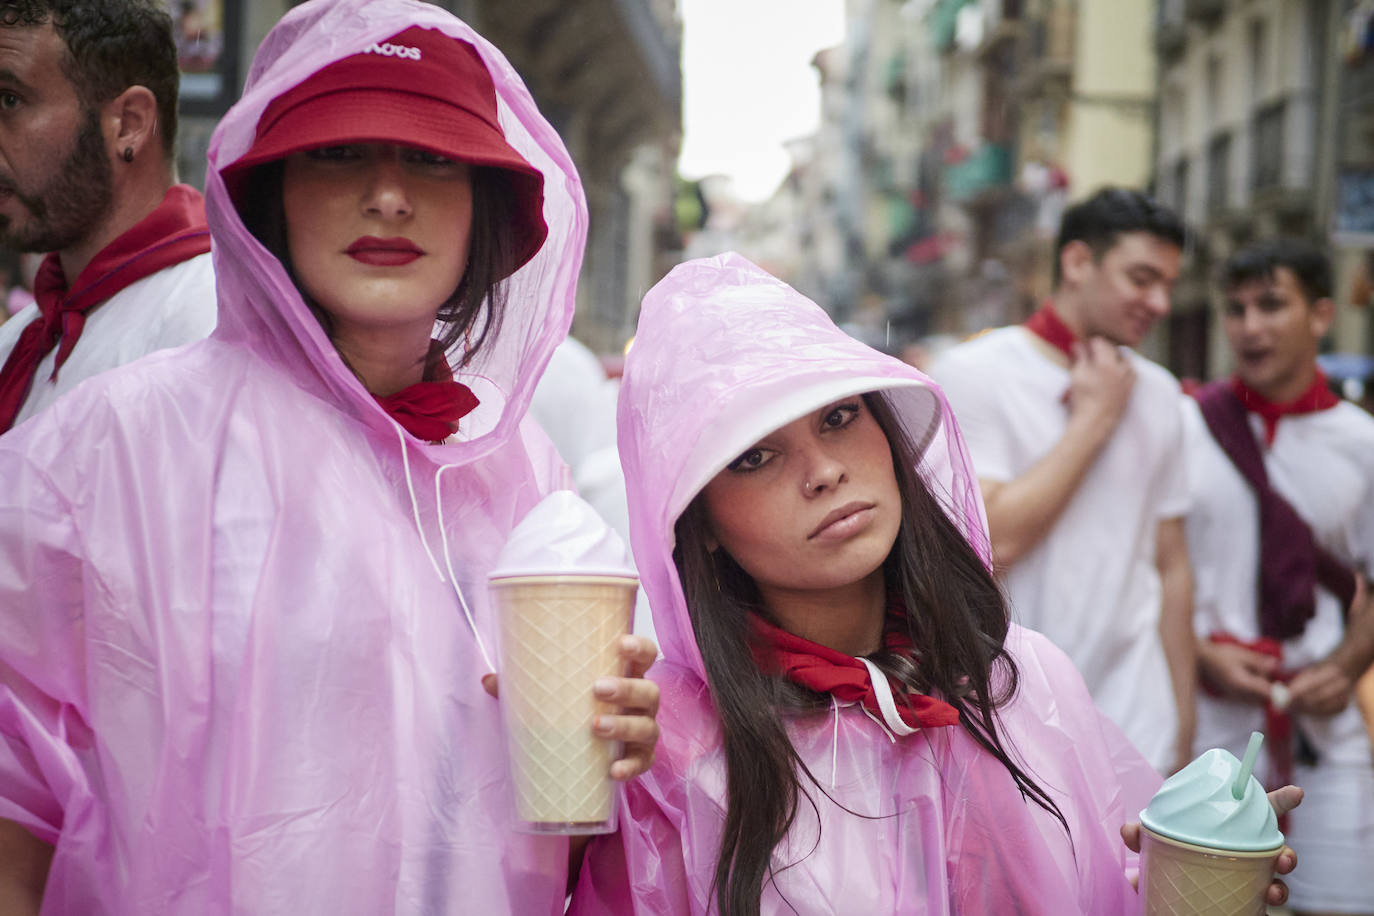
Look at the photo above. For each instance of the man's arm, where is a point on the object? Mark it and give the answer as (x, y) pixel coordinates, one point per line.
(24, 861)
(1325, 688)
(1176, 629)
(1022, 511)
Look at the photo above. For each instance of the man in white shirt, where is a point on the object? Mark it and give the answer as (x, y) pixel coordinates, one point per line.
(88, 105)
(1077, 442)
(1280, 552)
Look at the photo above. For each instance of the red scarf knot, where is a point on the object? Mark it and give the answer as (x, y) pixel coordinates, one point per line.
(175, 231)
(1317, 397)
(1049, 327)
(430, 409)
(845, 677)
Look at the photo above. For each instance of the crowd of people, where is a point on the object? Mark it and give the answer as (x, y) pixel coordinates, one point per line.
(924, 644)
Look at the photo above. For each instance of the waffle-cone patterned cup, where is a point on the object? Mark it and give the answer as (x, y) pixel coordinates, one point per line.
(1181, 879)
(559, 633)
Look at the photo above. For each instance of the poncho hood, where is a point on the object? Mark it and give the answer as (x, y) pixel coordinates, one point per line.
(929, 824)
(261, 307)
(243, 614)
(724, 354)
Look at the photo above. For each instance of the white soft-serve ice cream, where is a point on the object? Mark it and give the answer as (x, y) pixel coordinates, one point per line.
(563, 535)
(565, 589)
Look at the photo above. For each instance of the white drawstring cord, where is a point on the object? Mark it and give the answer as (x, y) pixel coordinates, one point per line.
(834, 741)
(879, 722)
(443, 533)
(883, 692)
(414, 504)
(448, 563)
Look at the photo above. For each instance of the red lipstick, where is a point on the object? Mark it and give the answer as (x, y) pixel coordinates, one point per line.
(392, 252)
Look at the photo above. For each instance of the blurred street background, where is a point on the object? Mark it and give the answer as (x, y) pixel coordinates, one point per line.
(936, 143)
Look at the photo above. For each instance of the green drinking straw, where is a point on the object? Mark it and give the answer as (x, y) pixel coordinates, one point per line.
(1246, 765)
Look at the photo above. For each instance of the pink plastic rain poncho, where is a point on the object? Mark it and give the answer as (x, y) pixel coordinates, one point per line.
(724, 354)
(235, 675)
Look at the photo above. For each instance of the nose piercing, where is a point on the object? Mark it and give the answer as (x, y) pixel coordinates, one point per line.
(808, 486)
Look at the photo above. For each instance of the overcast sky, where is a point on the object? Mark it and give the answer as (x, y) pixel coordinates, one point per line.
(748, 85)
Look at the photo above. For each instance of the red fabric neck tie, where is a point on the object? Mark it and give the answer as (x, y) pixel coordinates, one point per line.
(174, 232)
(430, 409)
(825, 670)
(1316, 397)
(1049, 327)
(1278, 724)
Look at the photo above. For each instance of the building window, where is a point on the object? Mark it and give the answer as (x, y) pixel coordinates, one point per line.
(1189, 331)
(1259, 59)
(1214, 89)
(1266, 144)
(1180, 197)
(1218, 173)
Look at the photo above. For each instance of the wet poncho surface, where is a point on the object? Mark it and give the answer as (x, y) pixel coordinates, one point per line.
(235, 674)
(724, 354)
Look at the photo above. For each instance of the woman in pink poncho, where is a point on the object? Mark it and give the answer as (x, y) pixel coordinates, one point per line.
(243, 614)
(849, 722)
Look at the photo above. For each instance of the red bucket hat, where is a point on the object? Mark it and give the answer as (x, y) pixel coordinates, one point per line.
(419, 87)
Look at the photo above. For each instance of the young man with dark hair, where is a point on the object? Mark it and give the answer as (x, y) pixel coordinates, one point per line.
(88, 108)
(1077, 442)
(1281, 535)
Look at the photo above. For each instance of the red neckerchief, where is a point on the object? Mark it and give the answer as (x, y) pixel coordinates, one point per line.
(1278, 724)
(174, 232)
(844, 677)
(430, 410)
(1049, 327)
(1316, 397)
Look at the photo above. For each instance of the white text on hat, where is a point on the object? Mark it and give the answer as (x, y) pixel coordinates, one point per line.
(390, 50)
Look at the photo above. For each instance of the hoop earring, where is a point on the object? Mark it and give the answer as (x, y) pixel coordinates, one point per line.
(128, 154)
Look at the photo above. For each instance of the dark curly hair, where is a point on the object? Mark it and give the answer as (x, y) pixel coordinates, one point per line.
(111, 45)
(1111, 213)
(1309, 264)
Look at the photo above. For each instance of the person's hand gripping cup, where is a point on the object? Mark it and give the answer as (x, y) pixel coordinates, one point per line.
(565, 590)
(1209, 839)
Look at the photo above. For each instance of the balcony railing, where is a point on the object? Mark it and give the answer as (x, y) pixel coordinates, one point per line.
(1050, 53)
(1266, 145)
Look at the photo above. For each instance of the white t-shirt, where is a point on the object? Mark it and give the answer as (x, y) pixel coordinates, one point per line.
(1322, 463)
(169, 308)
(1090, 584)
(575, 405)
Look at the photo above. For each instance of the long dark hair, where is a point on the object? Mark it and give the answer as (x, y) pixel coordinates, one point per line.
(958, 622)
(475, 308)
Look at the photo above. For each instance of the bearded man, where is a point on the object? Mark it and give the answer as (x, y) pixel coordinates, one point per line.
(88, 110)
